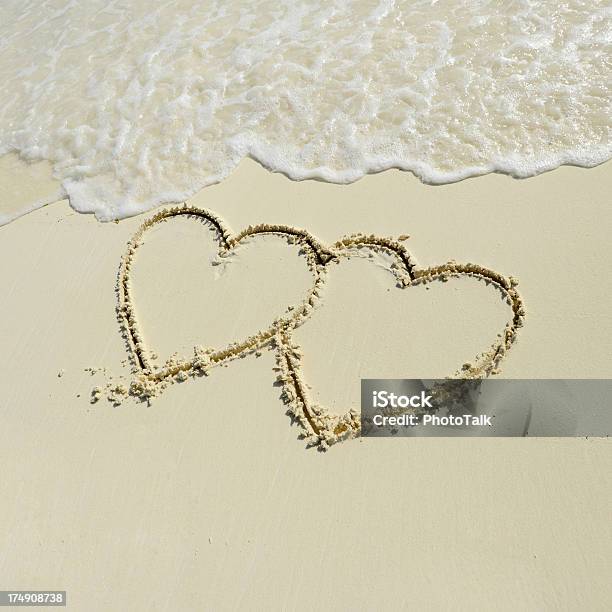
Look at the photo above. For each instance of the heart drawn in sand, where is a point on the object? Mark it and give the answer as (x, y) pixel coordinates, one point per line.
(315, 253)
(318, 424)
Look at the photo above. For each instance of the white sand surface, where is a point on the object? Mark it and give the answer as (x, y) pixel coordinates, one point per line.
(208, 500)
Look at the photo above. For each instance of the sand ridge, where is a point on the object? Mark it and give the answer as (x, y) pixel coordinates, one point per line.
(317, 424)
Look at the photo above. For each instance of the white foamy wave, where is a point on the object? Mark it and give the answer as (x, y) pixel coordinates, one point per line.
(138, 103)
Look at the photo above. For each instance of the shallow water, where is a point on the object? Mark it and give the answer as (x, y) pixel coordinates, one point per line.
(135, 106)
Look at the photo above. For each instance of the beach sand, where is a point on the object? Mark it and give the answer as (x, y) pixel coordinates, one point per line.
(207, 499)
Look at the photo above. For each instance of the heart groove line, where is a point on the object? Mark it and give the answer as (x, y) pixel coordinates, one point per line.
(318, 426)
(126, 311)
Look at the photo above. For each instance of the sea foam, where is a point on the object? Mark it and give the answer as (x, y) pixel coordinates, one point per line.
(138, 103)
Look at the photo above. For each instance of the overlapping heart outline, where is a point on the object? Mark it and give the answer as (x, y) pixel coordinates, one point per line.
(317, 423)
